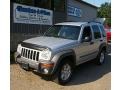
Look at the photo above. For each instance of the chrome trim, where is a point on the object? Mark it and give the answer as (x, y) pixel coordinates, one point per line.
(33, 54)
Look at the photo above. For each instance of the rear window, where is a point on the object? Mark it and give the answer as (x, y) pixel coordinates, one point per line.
(96, 32)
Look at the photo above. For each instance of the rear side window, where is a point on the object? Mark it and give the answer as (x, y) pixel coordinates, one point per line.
(96, 31)
(103, 31)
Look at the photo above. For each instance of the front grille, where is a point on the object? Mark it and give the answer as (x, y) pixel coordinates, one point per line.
(30, 54)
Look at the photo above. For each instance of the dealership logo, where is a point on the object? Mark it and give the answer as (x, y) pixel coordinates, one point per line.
(30, 10)
(73, 11)
(32, 15)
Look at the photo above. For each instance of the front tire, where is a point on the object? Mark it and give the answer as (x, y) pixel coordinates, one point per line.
(64, 73)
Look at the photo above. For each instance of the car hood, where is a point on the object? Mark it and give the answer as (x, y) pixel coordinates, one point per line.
(50, 42)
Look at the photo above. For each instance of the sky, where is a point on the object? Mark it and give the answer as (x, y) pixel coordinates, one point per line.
(97, 2)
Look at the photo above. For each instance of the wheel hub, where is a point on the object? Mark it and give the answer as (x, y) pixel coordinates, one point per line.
(65, 72)
(102, 57)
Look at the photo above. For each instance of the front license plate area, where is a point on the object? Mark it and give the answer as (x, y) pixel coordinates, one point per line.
(25, 66)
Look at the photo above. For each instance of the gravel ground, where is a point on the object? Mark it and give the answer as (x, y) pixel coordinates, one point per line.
(87, 76)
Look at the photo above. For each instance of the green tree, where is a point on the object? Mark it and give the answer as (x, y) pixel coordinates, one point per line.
(104, 11)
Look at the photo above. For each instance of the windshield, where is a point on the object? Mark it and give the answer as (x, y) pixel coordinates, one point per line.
(64, 31)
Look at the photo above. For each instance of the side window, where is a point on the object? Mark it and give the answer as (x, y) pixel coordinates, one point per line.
(103, 31)
(96, 31)
(86, 32)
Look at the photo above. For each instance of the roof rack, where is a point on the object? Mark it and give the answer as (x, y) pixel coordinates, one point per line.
(94, 22)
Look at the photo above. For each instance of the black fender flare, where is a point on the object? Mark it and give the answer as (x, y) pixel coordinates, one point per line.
(64, 55)
(103, 45)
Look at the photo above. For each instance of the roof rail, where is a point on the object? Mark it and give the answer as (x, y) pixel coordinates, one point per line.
(94, 22)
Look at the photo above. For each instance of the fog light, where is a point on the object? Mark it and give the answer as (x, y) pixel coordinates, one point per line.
(46, 67)
(45, 71)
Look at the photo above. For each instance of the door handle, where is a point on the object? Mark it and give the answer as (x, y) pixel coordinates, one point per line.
(101, 40)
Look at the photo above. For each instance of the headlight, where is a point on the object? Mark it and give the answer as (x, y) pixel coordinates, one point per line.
(45, 54)
(19, 48)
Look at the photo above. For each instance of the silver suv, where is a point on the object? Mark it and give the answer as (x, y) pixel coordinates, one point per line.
(61, 48)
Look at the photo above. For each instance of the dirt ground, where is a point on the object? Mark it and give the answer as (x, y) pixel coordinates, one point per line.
(88, 76)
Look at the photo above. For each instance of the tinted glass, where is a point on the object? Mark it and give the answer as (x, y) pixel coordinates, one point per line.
(96, 31)
(86, 32)
(103, 31)
(64, 31)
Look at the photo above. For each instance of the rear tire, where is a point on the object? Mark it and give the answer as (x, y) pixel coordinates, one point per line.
(101, 57)
(64, 73)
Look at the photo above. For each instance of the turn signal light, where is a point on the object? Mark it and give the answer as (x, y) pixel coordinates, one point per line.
(47, 65)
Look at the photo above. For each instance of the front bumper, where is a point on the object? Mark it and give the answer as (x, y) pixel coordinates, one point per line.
(34, 65)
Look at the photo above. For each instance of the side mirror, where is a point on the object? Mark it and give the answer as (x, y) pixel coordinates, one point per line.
(86, 39)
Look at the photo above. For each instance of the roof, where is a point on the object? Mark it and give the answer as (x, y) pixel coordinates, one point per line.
(72, 23)
(77, 23)
(87, 3)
